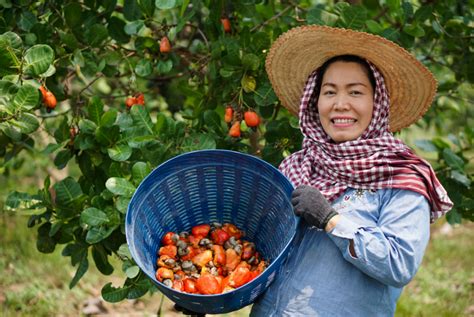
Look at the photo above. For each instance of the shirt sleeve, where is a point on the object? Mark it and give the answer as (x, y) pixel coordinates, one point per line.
(390, 251)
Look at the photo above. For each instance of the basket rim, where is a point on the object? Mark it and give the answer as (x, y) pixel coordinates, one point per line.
(252, 283)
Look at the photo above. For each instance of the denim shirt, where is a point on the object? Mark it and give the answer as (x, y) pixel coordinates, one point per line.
(390, 232)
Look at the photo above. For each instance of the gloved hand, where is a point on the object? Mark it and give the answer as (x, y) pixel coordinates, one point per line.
(309, 203)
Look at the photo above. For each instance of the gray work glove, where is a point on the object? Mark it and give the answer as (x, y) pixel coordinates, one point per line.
(309, 203)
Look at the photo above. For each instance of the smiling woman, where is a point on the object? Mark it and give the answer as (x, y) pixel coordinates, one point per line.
(365, 197)
(346, 97)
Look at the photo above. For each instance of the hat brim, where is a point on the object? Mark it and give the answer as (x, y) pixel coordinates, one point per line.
(298, 52)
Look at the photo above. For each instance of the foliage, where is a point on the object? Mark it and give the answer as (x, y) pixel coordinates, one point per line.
(93, 55)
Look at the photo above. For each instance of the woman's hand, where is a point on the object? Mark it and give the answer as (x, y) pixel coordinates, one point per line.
(309, 203)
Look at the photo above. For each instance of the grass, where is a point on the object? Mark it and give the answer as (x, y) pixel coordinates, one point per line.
(444, 284)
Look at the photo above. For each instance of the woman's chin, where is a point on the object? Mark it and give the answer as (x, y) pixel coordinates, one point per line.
(344, 136)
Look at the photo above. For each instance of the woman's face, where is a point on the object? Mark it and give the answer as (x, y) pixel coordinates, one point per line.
(346, 101)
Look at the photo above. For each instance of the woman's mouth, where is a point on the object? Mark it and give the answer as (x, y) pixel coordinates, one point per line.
(343, 122)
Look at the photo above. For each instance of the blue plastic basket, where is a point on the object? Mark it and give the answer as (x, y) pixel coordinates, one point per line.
(213, 186)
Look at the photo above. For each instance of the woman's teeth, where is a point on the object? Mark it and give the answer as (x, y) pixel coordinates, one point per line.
(343, 120)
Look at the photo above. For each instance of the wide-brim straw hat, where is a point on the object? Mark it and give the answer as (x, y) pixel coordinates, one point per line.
(298, 52)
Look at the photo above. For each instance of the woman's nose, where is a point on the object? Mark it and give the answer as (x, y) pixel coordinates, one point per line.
(341, 103)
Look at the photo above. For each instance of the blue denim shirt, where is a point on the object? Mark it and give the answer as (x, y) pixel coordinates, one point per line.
(390, 231)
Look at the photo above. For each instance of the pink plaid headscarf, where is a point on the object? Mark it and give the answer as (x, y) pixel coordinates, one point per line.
(374, 160)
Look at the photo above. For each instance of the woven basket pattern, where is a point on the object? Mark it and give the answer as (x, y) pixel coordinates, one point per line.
(213, 186)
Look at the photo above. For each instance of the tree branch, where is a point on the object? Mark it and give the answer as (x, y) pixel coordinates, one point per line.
(270, 20)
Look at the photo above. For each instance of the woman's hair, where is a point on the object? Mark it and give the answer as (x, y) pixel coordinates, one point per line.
(347, 59)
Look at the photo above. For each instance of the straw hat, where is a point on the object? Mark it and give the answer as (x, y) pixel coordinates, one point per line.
(296, 53)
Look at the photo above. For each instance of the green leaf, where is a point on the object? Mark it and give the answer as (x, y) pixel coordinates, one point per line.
(97, 234)
(436, 27)
(184, 6)
(414, 30)
(38, 58)
(120, 186)
(164, 67)
(95, 109)
(72, 14)
(114, 294)
(101, 261)
(134, 27)
(461, 178)
(407, 9)
(265, 95)
(251, 61)
(423, 13)
(87, 126)
(27, 21)
(165, 4)
(147, 7)
(249, 83)
(139, 171)
(50, 72)
(453, 138)
(11, 131)
(7, 92)
(81, 270)
(77, 251)
(9, 61)
(454, 217)
(426, 145)
(391, 34)
(132, 271)
(84, 141)
(143, 68)
(199, 142)
(440, 143)
(131, 10)
(116, 28)
(13, 40)
(22, 201)
(45, 243)
(96, 34)
(226, 72)
(124, 251)
(321, 17)
(353, 17)
(26, 98)
(67, 191)
(373, 27)
(94, 217)
(107, 135)
(135, 138)
(161, 125)
(62, 132)
(260, 41)
(213, 120)
(140, 288)
(142, 119)
(339, 7)
(120, 152)
(121, 203)
(393, 5)
(28, 123)
(109, 118)
(453, 160)
(62, 158)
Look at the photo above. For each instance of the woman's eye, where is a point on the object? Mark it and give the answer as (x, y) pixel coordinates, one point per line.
(356, 92)
(328, 93)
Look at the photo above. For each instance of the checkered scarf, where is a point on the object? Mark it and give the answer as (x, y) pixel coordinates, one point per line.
(374, 160)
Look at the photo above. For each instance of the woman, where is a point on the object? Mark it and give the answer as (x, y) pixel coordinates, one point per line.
(365, 197)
